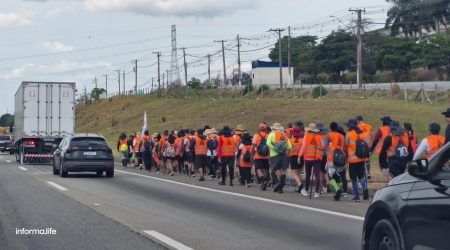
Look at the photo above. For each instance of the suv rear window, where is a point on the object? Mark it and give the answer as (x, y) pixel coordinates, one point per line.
(88, 141)
(5, 138)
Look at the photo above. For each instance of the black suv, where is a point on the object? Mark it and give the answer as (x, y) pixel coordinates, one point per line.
(6, 144)
(83, 153)
(413, 211)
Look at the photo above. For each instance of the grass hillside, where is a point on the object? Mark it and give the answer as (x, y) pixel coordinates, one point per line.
(110, 117)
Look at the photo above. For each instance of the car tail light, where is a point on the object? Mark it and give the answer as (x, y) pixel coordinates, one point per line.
(72, 149)
(31, 144)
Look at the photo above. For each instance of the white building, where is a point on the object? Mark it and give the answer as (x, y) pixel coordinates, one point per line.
(268, 73)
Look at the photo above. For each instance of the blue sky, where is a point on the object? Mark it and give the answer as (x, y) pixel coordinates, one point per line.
(77, 40)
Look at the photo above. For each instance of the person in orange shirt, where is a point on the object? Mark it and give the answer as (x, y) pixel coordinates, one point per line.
(122, 148)
(245, 158)
(289, 130)
(397, 149)
(201, 150)
(295, 164)
(336, 161)
(378, 141)
(356, 166)
(261, 155)
(238, 133)
(430, 145)
(137, 152)
(226, 153)
(367, 129)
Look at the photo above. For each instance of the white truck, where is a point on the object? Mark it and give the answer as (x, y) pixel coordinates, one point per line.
(44, 115)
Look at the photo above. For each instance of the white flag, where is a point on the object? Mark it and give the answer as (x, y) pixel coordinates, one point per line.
(144, 128)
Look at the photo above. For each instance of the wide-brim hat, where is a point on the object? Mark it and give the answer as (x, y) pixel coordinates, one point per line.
(312, 127)
(386, 119)
(239, 130)
(277, 127)
(447, 113)
(211, 131)
(321, 128)
(352, 123)
(226, 130)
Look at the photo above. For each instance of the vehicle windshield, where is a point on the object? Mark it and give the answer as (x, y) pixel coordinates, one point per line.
(88, 141)
(4, 138)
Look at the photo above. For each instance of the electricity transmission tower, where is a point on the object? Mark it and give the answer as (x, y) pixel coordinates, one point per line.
(174, 68)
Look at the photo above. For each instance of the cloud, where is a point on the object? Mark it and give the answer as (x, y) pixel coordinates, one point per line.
(194, 8)
(55, 47)
(13, 20)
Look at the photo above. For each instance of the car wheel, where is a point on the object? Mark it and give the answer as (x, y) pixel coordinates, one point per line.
(63, 173)
(384, 236)
(110, 173)
(99, 173)
(55, 171)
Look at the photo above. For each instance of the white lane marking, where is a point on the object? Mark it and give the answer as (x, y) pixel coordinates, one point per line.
(61, 188)
(22, 168)
(8, 161)
(173, 243)
(318, 210)
(1, 157)
(96, 204)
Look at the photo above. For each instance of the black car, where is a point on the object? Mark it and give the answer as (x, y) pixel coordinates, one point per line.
(413, 211)
(83, 153)
(6, 144)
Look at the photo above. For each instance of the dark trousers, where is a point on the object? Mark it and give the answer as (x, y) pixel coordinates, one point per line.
(148, 159)
(343, 178)
(211, 163)
(246, 175)
(227, 161)
(312, 166)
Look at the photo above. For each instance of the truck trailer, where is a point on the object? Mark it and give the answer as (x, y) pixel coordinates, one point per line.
(44, 114)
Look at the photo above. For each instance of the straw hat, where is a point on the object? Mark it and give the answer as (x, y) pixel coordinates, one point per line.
(210, 132)
(277, 127)
(240, 129)
(312, 127)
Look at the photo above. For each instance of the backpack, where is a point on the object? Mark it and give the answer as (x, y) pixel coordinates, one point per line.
(182, 147)
(262, 148)
(339, 156)
(124, 148)
(362, 148)
(170, 150)
(401, 151)
(247, 157)
(280, 146)
(212, 144)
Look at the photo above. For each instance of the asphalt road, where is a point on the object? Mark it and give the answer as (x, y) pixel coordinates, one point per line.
(132, 211)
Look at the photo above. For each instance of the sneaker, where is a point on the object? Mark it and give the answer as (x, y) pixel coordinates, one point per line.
(316, 195)
(344, 194)
(280, 191)
(278, 188)
(231, 183)
(324, 190)
(157, 172)
(299, 190)
(247, 185)
(337, 196)
(304, 193)
(193, 176)
(201, 178)
(222, 183)
(366, 194)
(356, 199)
(263, 186)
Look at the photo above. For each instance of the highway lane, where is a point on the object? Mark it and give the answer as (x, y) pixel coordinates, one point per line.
(27, 202)
(204, 219)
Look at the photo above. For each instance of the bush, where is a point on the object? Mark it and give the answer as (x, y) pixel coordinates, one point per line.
(262, 88)
(247, 89)
(323, 77)
(319, 91)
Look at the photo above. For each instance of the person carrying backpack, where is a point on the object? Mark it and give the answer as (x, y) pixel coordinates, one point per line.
(170, 153)
(367, 129)
(201, 150)
(180, 152)
(238, 133)
(211, 155)
(312, 152)
(226, 153)
(280, 146)
(381, 134)
(430, 145)
(412, 138)
(336, 161)
(246, 159)
(137, 150)
(261, 156)
(396, 148)
(357, 153)
(122, 148)
(295, 163)
(146, 147)
(447, 131)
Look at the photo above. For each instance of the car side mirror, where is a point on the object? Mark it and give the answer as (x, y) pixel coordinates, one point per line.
(418, 169)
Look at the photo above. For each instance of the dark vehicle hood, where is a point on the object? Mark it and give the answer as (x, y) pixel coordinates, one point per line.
(402, 179)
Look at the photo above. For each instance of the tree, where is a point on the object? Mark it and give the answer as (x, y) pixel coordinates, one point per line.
(434, 54)
(194, 83)
(336, 53)
(396, 54)
(6, 120)
(96, 93)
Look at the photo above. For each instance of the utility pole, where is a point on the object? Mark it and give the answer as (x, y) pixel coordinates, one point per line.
(289, 56)
(278, 31)
(223, 58)
(106, 82)
(185, 66)
(239, 60)
(158, 55)
(209, 69)
(135, 76)
(118, 78)
(167, 80)
(359, 72)
(95, 82)
(124, 91)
